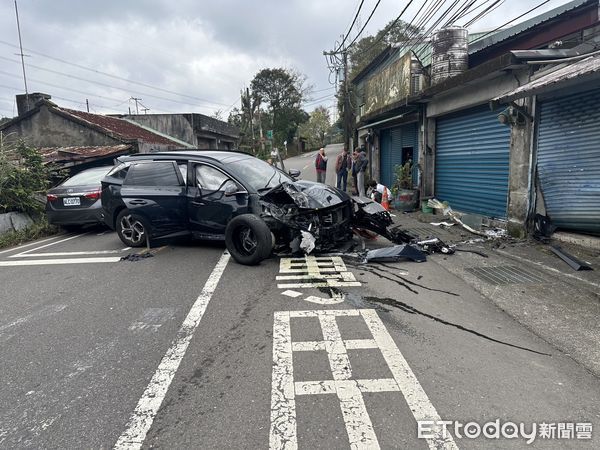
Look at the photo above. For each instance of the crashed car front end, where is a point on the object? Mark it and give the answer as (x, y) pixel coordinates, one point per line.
(306, 216)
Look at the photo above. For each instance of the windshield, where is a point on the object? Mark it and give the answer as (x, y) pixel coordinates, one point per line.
(88, 177)
(259, 174)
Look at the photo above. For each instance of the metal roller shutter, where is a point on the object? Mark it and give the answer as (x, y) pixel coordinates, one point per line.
(472, 162)
(569, 160)
(392, 142)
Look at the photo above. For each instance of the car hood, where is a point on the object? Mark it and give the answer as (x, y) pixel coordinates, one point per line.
(309, 195)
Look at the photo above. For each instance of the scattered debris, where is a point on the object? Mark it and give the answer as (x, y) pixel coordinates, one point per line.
(477, 252)
(441, 224)
(137, 256)
(543, 228)
(495, 233)
(435, 245)
(448, 212)
(396, 253)
(570, 259)
(307, 244)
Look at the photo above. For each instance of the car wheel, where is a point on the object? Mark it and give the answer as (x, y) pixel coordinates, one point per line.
(248, 239)
(131, 229)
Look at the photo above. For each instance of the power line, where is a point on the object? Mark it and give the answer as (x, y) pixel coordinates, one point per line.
(351, 26)
(108, 85)
(367, 22)
(80, 66)
(511, 21)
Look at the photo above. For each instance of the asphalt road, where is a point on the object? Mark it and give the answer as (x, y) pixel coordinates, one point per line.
(187, 349)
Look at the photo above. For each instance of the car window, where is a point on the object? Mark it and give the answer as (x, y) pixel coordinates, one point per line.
(87, 177)
(153, 174)
(183, 170)
(210, 179)
(258, 173)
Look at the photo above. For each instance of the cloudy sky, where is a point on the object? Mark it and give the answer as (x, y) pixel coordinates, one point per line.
(184, 55)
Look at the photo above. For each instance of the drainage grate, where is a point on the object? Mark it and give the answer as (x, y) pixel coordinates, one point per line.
(504, 275)
(424, 232)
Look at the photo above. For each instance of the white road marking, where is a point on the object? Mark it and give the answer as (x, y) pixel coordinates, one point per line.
(27, 245)
(148, 405)
(312, 271)
(413, 392)
(44, 311)
(283, 431)
(292, 294)
(48, 245)
(44, 262)
(334, 300)
(96, 252)
(152, 319)
(305, 167)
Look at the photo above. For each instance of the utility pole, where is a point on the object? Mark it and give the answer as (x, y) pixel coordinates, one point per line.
(345, 92)
(136, 100)
(87, 104)
(21, 54)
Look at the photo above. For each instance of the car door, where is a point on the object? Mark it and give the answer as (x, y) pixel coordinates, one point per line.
(155, 190)
(214, 198)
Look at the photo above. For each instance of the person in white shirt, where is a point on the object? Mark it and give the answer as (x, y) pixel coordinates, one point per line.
(375, 191)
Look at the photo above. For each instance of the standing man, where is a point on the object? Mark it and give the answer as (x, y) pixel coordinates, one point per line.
(321, 166)
(343, 163)
(360, 162)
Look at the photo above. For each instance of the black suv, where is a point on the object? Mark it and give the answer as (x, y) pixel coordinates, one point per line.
(234, 196)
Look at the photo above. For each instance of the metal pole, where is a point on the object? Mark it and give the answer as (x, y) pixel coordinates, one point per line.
(21, 54)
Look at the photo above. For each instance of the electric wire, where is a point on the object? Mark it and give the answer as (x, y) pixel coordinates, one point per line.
(80, 66)
(351, 26)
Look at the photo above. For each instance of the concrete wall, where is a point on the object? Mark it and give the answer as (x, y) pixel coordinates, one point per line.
(45, 129)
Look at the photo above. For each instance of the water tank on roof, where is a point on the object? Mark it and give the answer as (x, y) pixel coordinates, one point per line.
(449, 53)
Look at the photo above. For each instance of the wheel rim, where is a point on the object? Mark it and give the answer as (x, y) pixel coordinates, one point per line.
(246, 241)
(132, 229)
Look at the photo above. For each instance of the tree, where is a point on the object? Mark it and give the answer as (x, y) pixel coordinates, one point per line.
(281, 92)
(317, 127)
(366, 49)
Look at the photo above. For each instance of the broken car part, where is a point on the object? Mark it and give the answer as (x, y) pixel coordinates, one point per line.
(570, 259)
(396, 253)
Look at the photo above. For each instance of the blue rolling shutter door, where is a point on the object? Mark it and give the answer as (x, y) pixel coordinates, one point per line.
(385, 157)
(472, 162)
(392, 142)
(568, 160)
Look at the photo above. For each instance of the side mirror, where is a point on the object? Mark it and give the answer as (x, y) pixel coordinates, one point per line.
(231, 189)
(294, 173)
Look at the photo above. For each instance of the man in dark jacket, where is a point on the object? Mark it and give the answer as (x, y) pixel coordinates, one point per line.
(359, 168)
(343, 164)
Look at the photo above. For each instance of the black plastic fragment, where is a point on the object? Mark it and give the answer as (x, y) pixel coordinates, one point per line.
(543, 228)
(396, 253)
(570, 259)
(136, 256)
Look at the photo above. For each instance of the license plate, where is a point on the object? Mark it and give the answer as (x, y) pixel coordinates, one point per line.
(71, 201)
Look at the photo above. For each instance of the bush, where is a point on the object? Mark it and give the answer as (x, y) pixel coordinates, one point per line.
(37, 230)
(23, 179)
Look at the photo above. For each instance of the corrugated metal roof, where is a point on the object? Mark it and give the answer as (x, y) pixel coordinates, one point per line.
(122, 128)
(586, 68)
(502, 35)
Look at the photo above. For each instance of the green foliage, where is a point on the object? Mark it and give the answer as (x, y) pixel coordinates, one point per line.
(317, 128)
(403, 176)
(367, 48)
(23, 179)
(37, 230)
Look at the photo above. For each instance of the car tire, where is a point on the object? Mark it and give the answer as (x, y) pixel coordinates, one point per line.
(132, 229)
(248, 239)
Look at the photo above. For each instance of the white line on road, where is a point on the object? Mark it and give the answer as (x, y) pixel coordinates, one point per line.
(95, 252)
(50, 262)
(283, 431)
(47, 245)
(146, 409)
(27, 245)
